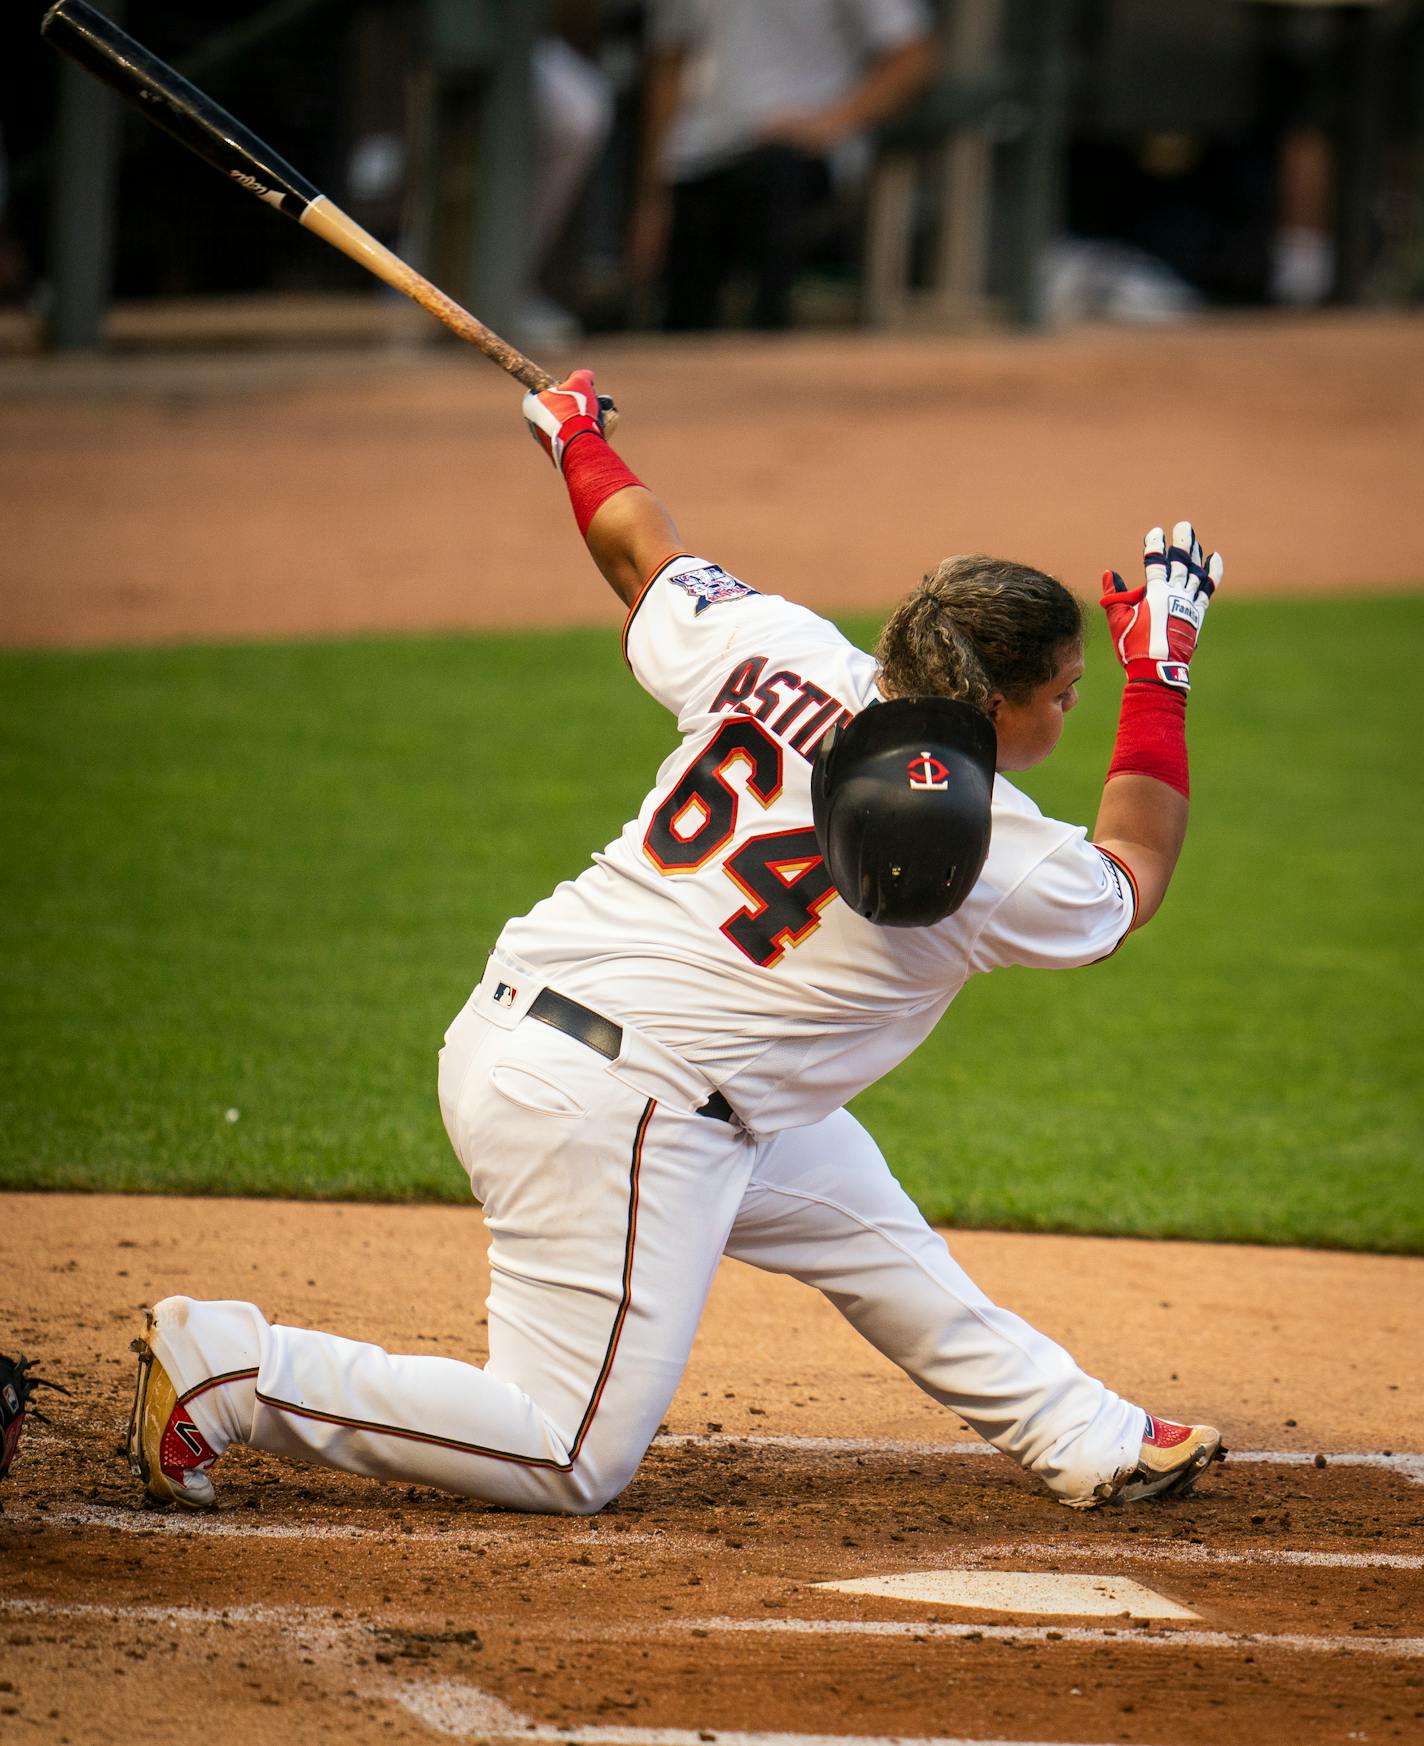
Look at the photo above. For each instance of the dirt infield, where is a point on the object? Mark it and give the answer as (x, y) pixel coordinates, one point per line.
(288, 493)
(157, 498)
(314, 1603)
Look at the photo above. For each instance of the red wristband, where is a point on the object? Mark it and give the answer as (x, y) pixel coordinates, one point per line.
(593, 474)
(1152, 735)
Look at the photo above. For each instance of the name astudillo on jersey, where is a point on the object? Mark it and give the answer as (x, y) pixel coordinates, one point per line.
(779, 700)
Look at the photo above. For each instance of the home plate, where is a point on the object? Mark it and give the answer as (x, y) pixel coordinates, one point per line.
(1021, 1591)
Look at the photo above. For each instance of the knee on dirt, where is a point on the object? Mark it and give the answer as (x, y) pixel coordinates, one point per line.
(582, 1490)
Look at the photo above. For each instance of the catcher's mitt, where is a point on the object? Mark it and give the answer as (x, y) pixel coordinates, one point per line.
(16, 1387)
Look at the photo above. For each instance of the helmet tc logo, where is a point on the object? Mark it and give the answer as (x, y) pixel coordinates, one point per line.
(928, 772)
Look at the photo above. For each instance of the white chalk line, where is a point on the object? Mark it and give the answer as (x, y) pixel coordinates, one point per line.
(308, 1618)
(229, 1525)
(1406, 1463)
(1104, 1550)
(1188, 1552)
(683, 1736)
(314, 1623)
(462, 1711)
(221, 1525)
(467, 1712)
(1407, 1648)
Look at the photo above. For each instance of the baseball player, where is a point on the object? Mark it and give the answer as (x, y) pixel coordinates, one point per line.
(652, 1070)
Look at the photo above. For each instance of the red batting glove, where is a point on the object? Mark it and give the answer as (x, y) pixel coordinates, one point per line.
(1154, 628)
(559, 414)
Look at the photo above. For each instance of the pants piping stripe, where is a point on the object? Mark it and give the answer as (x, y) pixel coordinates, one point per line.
(626, 1297)
(547, 1461)
(216, 1382)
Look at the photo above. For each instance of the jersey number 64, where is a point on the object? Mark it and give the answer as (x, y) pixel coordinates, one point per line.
(781, 872)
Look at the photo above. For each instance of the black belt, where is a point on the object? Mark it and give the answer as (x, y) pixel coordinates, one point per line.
(602, 1036)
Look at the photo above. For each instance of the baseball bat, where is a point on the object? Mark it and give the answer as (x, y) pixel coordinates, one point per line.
(180, 108)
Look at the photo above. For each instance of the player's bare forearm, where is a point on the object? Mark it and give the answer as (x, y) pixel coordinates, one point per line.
(1143, 823)
(629, 537)
(652, 201)
(889, 84)
(893, 80)
(628, 532)
(662, 96)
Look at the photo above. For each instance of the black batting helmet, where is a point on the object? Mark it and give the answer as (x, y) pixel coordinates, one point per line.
(901, 798)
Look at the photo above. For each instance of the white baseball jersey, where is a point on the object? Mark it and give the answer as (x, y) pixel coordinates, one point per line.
(711, 922)
(750, 64)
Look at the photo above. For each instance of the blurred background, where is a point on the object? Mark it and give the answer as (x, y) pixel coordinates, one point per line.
(590, 166)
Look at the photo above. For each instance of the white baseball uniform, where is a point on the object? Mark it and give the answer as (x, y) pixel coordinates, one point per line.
(651, 1074)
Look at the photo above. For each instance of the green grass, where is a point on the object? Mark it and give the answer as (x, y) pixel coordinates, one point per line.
(264, 878)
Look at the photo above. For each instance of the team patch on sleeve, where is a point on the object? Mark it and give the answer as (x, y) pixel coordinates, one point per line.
(710, 585)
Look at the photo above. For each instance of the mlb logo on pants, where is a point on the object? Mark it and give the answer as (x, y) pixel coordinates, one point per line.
(505, 994)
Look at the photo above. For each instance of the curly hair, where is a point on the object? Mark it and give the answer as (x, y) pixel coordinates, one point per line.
(975, 626)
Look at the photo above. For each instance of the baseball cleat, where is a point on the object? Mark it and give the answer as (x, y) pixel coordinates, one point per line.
(1171, 1460)
(166, 1450)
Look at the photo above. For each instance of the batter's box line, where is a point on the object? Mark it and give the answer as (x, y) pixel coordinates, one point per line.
(447, 1706)
(232, 1525)
(1141, 1636)
(1191, 1552)
(1408, 1465)
(466, 1712)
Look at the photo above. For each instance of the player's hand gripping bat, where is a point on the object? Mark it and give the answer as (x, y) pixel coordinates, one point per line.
(180, 108)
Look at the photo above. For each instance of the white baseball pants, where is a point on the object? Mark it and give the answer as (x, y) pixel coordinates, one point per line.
(608, 1209)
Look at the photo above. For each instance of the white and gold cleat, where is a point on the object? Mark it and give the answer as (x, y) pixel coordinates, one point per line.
(1172, 1459)
(166, 1450)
